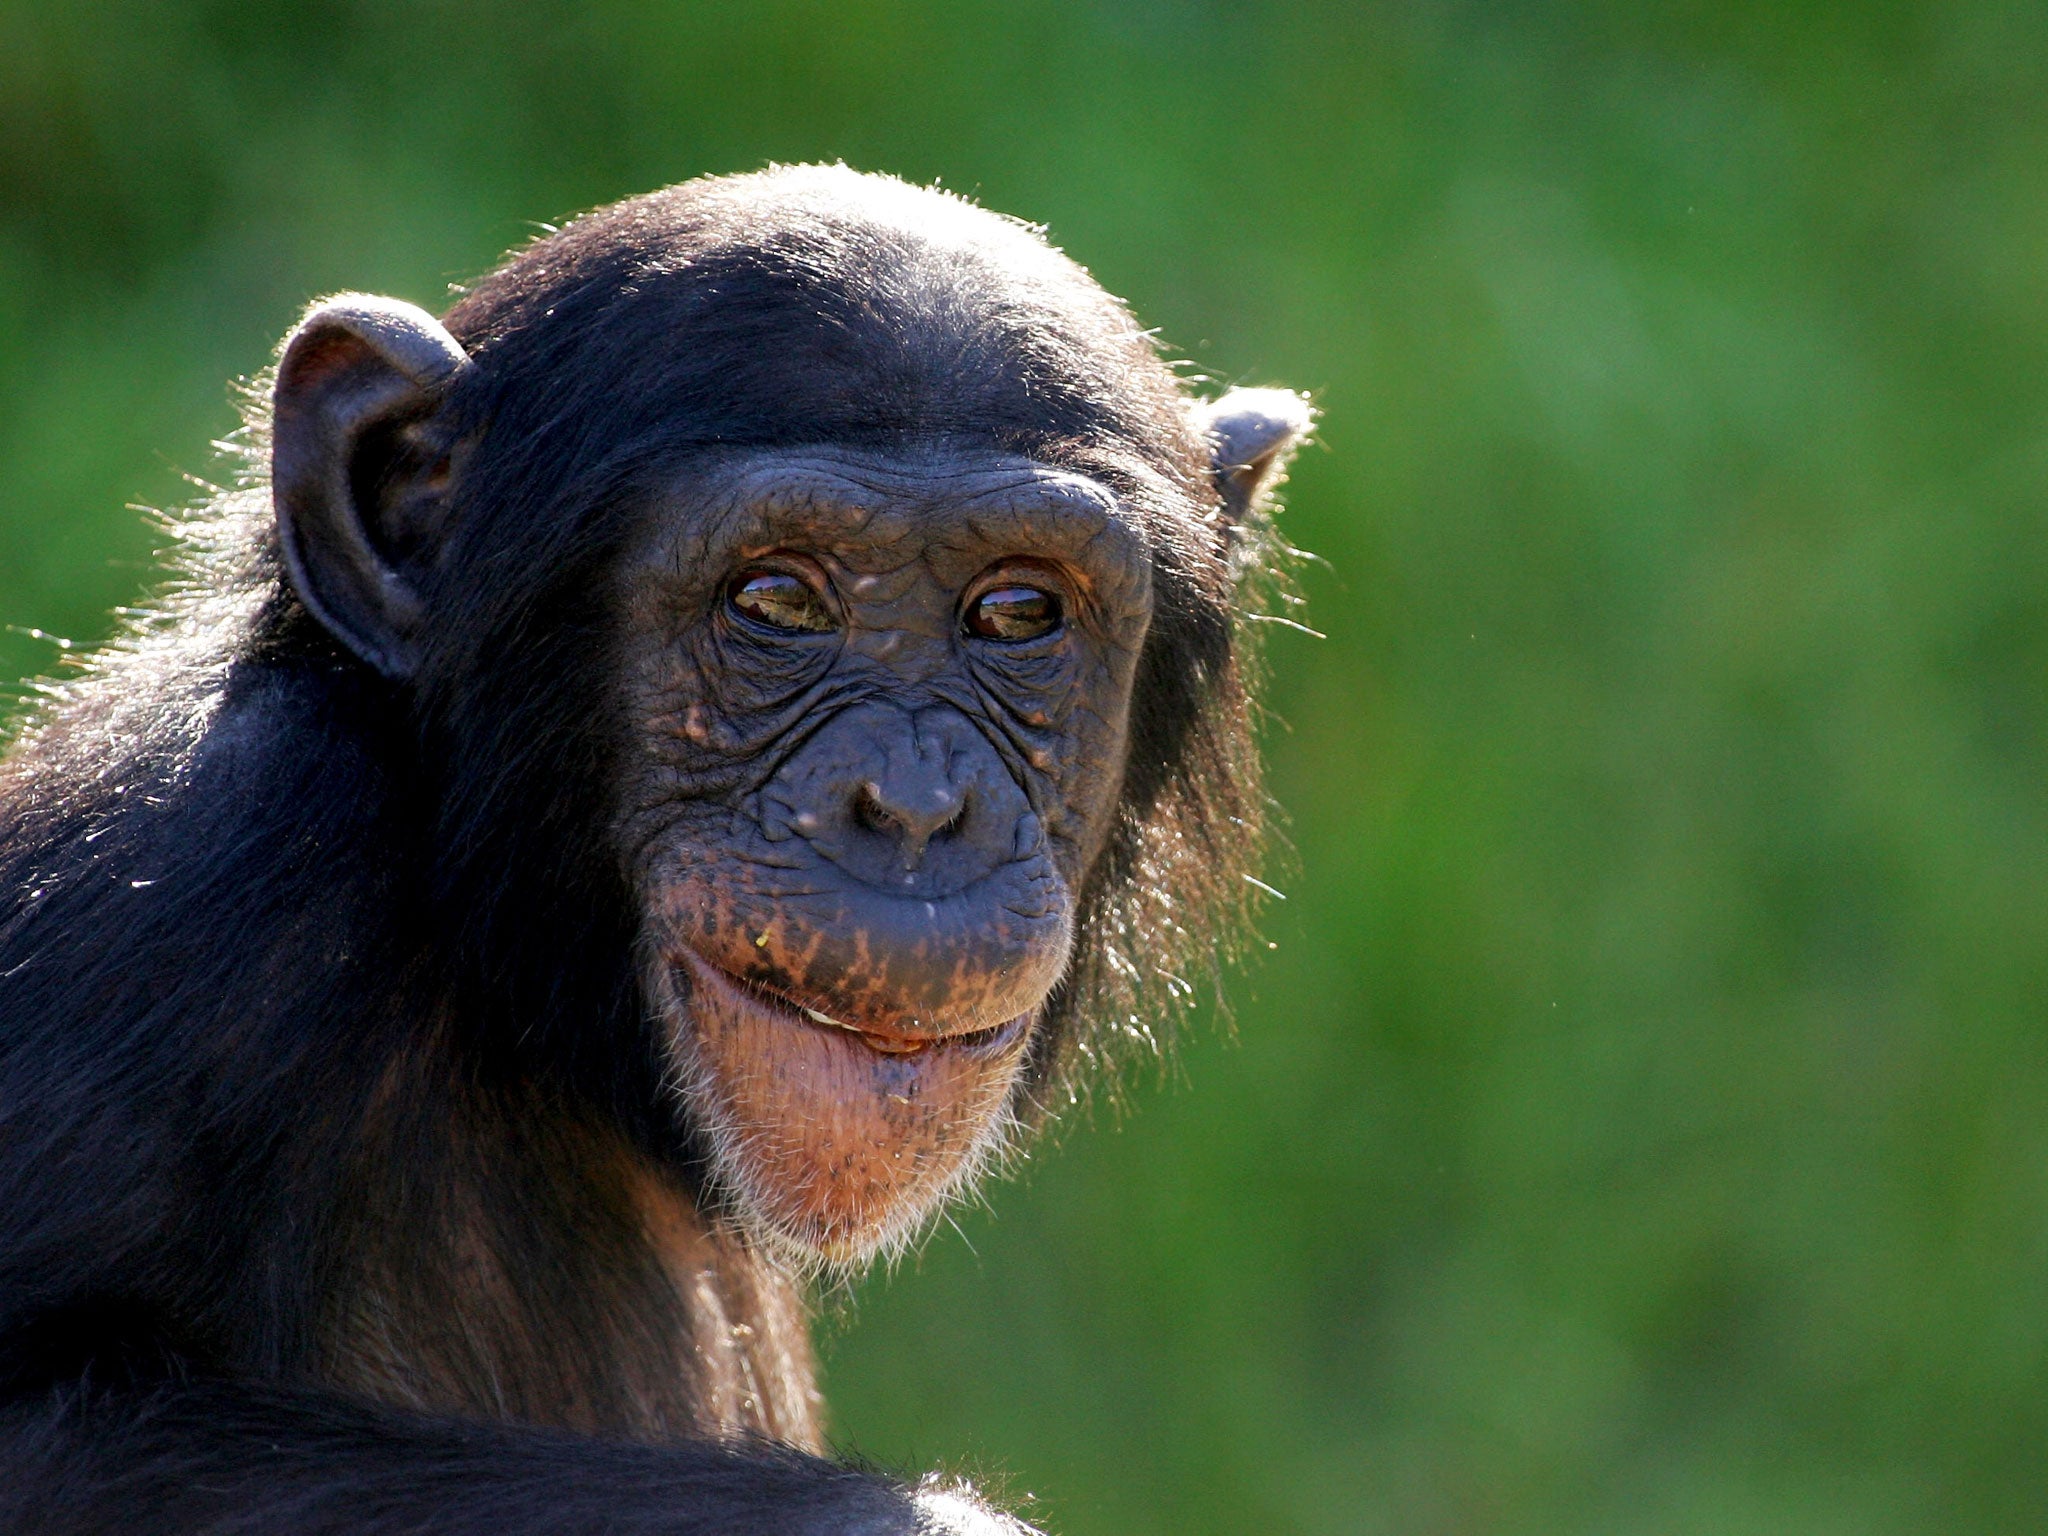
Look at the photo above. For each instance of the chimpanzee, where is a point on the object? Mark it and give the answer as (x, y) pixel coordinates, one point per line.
(647, 786)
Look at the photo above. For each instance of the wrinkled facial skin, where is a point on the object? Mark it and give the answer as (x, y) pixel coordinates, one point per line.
(859, 813)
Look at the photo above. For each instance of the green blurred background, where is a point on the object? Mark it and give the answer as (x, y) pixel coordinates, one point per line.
(1641, 1125)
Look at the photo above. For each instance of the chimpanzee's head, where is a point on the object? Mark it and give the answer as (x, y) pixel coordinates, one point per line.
(829, 576)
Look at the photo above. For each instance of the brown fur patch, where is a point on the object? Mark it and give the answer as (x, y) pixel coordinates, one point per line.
(509, 1262)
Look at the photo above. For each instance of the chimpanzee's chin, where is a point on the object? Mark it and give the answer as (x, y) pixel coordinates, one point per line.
(834, 1144)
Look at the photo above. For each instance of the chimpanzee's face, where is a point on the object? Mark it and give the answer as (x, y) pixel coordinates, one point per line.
(878, 710)
(858, 722)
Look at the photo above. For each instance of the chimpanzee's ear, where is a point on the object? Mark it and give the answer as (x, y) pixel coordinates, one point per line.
(357, 468)
(1253, 432)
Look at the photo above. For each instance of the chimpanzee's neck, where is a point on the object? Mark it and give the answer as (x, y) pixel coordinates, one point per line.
(498, 1258)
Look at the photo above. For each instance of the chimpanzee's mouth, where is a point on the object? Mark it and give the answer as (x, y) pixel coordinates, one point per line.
(832, 1138)
(910, 1039)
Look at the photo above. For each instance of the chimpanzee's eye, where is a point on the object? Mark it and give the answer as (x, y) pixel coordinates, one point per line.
(781, 601)
(1013, 613)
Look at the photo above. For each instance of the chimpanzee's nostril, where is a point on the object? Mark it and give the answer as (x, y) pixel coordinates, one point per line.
(868, 811)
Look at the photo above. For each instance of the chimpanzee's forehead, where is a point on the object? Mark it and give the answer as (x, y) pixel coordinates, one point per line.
(879, 510)
(832, 311)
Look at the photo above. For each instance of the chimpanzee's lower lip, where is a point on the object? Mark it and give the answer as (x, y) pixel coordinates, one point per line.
(992, 1040)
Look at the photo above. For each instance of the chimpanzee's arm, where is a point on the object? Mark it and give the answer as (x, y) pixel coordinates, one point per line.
(231, 1461)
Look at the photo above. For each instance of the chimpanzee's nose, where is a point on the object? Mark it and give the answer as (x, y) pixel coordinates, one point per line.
(914, 805)
(917, 802)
